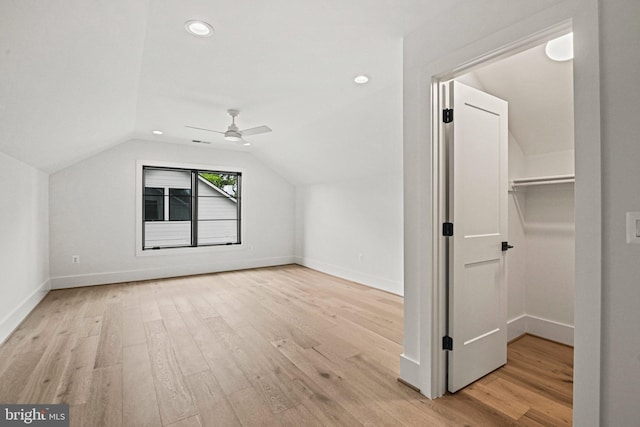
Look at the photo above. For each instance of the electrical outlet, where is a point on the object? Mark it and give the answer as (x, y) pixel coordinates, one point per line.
(75, 259)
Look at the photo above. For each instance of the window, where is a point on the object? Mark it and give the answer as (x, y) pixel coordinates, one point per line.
(179, 204)
(153, 204)
(190, 207)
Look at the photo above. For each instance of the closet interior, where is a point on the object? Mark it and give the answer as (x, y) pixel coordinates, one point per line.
(540, 267)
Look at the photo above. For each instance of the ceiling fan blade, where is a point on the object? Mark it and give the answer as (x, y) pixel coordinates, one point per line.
(256, 130)
(208, 130)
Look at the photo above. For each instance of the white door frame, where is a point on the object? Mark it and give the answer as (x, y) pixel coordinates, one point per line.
(440, 170)
(588, 212)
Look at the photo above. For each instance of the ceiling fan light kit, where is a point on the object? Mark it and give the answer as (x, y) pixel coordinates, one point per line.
(232, 136)
(233, 133)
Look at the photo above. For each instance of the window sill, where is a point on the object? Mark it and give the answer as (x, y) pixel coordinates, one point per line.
(192, 251)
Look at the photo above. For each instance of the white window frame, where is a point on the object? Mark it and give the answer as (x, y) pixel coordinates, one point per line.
(184, 250)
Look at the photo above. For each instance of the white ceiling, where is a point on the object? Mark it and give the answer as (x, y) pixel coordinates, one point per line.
(540, 96)
(81, 76)
(69, 77)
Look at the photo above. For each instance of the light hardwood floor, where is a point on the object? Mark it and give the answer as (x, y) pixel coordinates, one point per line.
(275, 346)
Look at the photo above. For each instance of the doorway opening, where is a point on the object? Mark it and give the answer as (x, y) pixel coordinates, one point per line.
(539, 272)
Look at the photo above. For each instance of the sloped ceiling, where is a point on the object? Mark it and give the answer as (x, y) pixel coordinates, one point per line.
(69, 74)
(540, 96)
(81, 76)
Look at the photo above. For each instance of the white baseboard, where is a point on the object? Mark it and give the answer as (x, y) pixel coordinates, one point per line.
(12, 320)
(516, 327)
(551, 330)
(544, 328)
(80, 280)
(387, 285)
(409, 371)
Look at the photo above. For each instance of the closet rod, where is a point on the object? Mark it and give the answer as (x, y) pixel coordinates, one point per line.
(559, 179)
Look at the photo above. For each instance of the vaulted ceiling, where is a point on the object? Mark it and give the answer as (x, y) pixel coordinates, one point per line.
(81, 76)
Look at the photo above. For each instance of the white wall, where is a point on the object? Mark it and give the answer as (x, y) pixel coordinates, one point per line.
(353, 229)
(517, 258)
(550, 264)
(620, 68)
(93, 215)
(473, 29)
(24, 241)
(549, 164)
(543, 263)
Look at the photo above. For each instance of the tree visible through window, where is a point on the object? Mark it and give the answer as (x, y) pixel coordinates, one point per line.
(224, 181)
(189, 207)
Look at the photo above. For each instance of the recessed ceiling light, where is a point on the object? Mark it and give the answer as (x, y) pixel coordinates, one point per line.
(361, 79)
(157, 132)
(560, 49)
(198, 28)
(246, 143)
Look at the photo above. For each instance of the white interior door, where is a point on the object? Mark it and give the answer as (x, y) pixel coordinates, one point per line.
(478, 184)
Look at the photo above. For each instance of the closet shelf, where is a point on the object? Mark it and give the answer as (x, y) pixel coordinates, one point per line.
(542, 180)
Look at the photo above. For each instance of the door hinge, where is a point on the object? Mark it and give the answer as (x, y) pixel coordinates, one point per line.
(447, 115)
(447, 229)
(447, 343)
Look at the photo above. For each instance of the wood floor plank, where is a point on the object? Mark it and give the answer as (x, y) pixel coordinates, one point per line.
(334, 385)
(462, 409)
(173, 395)
(560, 413)
(295, 384)
(75, 386)
(212, 404)
(14, 379)
(149, 307)
(104, 404)
(362, 377)
(45, 379)
(536, 417)
(251, 409)
(111, 335)
(259, 377)
(276, 329)
(273, 346)
(137, 380)
(132, 326)
(498, 399)
(76, 416)
(204, 309)
(187, 353)
(187, 422)
(229, 375)
(297, 416)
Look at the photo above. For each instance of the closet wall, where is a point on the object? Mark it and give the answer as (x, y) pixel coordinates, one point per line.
(540, 269)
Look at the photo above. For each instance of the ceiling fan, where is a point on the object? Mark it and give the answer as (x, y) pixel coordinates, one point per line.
(233, 133)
